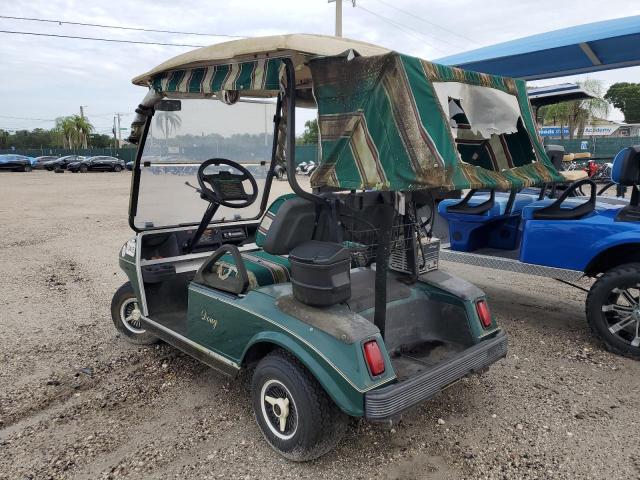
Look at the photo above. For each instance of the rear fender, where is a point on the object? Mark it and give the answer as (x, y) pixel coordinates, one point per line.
(613, 251)
(345, 396)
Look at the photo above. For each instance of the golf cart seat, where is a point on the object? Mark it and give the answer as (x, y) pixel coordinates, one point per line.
(484, 220)
(499, 206)
(289, 221)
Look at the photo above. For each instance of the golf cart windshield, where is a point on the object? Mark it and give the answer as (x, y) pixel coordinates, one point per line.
(183, 136)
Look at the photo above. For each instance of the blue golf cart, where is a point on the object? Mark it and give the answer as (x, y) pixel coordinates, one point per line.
(565, 238)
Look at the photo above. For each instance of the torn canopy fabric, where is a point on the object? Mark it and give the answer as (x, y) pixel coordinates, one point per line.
(395, 122)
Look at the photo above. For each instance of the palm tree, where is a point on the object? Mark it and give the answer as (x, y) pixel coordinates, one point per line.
(73, 131)
(167, 122)
(82, 128)
(576, 114)
(591, 108)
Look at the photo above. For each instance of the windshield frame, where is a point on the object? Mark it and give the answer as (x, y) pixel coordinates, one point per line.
(137, 172)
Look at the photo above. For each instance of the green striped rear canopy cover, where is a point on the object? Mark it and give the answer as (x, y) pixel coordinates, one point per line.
(382, 127)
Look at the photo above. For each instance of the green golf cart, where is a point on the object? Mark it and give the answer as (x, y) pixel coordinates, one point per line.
(330, 294)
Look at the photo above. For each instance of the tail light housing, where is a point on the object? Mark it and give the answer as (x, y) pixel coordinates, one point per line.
(483, 313)
(374, 358)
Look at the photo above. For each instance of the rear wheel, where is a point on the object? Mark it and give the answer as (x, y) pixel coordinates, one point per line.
(27, 168)
(613, 309)
(84, 169)
(117, 168)
(126, 315)
(295, 414)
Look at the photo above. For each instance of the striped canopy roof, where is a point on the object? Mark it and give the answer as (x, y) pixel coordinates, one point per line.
(383, 127)
(257, 75)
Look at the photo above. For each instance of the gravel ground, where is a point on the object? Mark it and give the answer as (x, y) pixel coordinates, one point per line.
(77, 401)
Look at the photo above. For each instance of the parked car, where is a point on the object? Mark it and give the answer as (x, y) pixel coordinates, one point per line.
(16, 163)
(62, 162)
(129, 165)
(97, 164)
(40, 162)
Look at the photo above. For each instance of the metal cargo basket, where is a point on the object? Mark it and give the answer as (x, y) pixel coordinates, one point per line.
(409, 245)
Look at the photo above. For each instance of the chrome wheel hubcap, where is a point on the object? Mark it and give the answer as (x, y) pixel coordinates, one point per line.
(131, 315)
(622, 314)
(279, 409)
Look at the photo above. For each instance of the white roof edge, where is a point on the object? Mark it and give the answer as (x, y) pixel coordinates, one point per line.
(320, 45)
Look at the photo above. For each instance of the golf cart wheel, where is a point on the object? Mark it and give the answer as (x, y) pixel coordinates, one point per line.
(613, 310)
(125, 313)
(117, 168)
(295, 414)
(84, 169)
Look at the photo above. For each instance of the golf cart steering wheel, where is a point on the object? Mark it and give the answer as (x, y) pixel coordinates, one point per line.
(226, 188)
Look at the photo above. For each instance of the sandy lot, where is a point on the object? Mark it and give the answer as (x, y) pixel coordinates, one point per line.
(77, 401)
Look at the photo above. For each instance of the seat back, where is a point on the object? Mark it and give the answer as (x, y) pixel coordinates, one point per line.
(626, 166)
(294, 224)
(626, 172)
(270, 214)
(555, 154)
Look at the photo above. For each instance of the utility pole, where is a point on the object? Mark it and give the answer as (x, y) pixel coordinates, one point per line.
(339, 15)
(115, 138)
(119, 133)
(82, 111)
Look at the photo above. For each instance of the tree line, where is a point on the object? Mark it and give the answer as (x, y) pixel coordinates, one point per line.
(70, 132)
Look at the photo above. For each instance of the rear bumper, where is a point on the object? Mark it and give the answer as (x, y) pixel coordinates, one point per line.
(387, 402)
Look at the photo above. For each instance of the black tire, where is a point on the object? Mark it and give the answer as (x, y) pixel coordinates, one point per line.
(84, 169)
(117, 168)
(27, 168)
(612, 318)
(314, 424)
(123, 299)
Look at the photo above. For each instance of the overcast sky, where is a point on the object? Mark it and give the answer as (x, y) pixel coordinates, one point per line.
(43, 78)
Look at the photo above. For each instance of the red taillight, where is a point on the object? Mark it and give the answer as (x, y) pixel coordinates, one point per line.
(483, 312)
(374, 359)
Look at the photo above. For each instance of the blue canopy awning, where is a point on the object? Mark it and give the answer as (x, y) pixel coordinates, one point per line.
(581, 49)
(550, 94)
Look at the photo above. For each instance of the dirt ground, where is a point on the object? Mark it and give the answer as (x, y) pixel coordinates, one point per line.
(77, 401)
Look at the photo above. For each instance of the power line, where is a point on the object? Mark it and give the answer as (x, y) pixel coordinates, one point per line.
(407, 30)
(138, 29)
(26, 118)
(99, 39)
(413, 15)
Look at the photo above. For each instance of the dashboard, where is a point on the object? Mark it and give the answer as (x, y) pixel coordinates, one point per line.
(173, 244)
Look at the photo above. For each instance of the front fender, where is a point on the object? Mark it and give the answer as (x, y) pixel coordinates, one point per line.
(345, 395)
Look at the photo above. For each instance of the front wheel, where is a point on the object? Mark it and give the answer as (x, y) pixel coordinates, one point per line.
(117, 168)
(295, 414)
(613, 309)
(27, 168)
(126, 314)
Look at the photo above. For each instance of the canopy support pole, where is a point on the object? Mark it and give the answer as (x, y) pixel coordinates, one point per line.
(290, 102)
(385, 224)
(274, 153)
